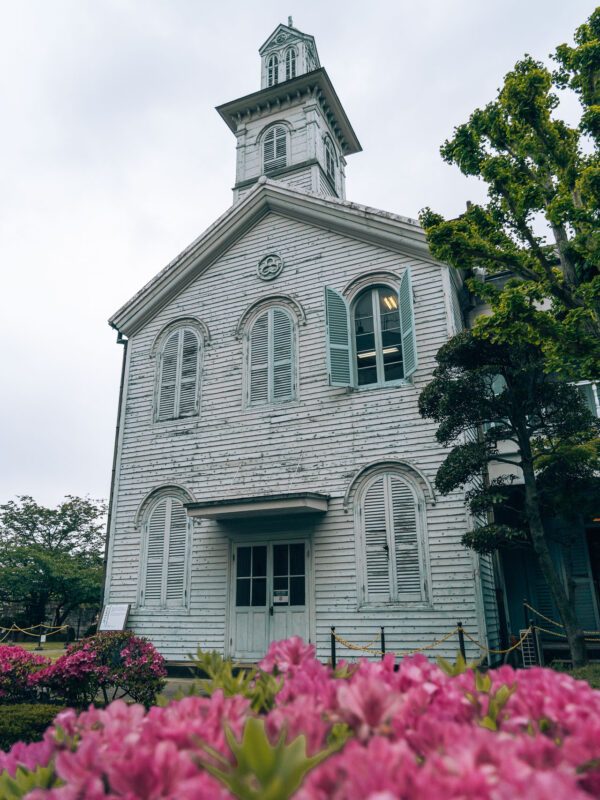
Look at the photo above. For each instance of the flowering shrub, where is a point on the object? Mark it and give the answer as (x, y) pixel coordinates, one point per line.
(109, 662)
(18, 668)
(378, 731)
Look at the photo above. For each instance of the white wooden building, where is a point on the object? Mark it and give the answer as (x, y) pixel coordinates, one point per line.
(272, 473)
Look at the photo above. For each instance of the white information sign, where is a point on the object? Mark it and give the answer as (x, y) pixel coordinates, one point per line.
(114, 617)
(42, 638)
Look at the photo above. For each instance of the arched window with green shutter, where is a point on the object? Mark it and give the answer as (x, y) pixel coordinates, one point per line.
(391, 534)
(271, 357)
(166, 544)
(179, 374)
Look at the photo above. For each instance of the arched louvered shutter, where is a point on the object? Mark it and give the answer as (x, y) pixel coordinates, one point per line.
(272, 70)
(259, 360)
(272, 357)
(179, 375)
(275, 148)
(339, 367)
(155, 554)
(188, 387)
(406, 541)
(377, 554)
(166, 554)
(168, 377)
(407, 325)
(290, 64)
(176, 559)
(392, 549)
(282, 338)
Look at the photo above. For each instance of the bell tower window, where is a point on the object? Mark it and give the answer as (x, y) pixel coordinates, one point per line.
(290, 64)
(272, 70)
(275, 148)
(329, 160)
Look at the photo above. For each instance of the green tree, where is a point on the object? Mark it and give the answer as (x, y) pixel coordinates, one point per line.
(51, 555)
(496, 404)
(541, 221)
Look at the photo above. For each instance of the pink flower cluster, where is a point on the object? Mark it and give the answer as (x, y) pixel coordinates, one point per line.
(18, 672)
(414, 732)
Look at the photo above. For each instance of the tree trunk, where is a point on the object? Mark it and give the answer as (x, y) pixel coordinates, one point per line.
(573, 630)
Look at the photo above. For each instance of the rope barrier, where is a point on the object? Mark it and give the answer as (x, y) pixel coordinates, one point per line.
(501, 652)
(381, 652)
(14, 628)
(543, 616)
(563, 635)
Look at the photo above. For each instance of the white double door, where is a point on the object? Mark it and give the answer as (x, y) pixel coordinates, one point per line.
(269, 595)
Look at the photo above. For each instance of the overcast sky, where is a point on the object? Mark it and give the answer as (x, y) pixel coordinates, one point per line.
(113, 159)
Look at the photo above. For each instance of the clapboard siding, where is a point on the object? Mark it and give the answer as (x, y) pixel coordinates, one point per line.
(316, 442)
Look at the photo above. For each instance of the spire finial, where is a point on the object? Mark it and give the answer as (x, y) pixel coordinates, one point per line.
(290, 22)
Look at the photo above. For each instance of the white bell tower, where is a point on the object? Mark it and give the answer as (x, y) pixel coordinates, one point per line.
(294, 129)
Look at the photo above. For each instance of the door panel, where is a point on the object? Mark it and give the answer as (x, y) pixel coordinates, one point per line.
(269, 596)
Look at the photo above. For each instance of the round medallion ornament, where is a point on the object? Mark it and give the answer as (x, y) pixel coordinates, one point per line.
(269, 267)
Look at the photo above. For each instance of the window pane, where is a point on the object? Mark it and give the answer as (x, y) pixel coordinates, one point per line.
(364, 339)
(259, 591)
(243, 561)
(297, 591)
(259, 560)
(296, 559)
(280, 559)
(280, 583)
(242, 592)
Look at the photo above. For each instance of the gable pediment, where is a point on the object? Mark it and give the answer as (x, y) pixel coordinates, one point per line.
(389, 231)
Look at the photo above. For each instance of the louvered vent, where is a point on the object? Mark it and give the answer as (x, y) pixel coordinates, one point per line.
(290, 64)
(189, 374)
(272, 70)
(275, 148)
(408, 567)
(272, 357)
(168, 377)
(376, 543)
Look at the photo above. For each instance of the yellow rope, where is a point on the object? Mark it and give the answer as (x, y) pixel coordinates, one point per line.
(373, 640)
(15, 628)
(487, 649)
(381, 653)
(543, 616)
(562, 635)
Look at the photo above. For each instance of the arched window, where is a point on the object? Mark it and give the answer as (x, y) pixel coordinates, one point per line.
(390, 534)
(377, 336)
(166, 543)
(272, 70)
(290, 64)
(271, 358)
(179, 374)
(329, 160)
(275, 148)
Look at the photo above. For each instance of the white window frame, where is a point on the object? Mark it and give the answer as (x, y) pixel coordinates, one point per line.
(595, 387)
(268, 308)
(165, 336)
(364, 604)
(378, 345)
(170, 496)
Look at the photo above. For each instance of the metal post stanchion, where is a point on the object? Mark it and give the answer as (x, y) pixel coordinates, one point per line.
(333, 661)
(461, 640)
(382, 642)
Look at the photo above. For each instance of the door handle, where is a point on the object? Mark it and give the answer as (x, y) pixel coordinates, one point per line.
(271, 610)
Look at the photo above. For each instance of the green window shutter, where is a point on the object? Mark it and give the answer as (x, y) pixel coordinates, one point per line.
(259, 360)
(406, 540)
(188, 384)
(377, 555)
(339, 366)
(168, 377)
(157, 525)
(282, 359)
(407, 324)
(176, 559)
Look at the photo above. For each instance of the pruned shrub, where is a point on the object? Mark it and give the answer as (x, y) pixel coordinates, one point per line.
(25, 722)
(18, 669)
